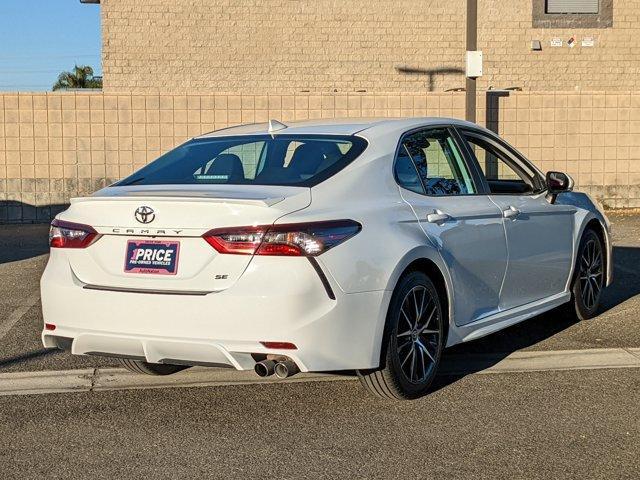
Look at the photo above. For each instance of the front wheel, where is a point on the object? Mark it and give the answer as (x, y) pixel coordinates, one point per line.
(412, 343)
(588, 283)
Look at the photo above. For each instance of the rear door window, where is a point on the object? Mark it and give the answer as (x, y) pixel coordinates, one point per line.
(438, 165)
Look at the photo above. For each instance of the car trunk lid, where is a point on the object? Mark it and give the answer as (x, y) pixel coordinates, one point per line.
(177, 217)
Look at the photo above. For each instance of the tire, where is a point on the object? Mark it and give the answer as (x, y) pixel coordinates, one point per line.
(138, 366)
(411, 349)
(588, 281)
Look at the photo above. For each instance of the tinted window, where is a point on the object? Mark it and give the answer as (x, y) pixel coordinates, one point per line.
(255, 159)
(437, 164)
(503, 173)
(406, 173)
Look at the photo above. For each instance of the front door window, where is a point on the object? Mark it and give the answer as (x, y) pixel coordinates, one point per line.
(504, 175)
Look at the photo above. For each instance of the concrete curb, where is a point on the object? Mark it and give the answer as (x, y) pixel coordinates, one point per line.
(95, 380)
(540, 361)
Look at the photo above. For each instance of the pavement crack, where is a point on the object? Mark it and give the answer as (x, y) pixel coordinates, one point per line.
(94, 378)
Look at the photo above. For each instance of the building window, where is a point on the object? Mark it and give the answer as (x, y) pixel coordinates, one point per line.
(572, 6)
(572, 13)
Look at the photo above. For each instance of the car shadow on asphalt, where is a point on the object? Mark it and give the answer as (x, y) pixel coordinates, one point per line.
(27, 356)
(21, 242)
(626, 280)
(489, 350)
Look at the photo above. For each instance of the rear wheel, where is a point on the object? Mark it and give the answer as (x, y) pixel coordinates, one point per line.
(138, 366)
(413, 341)
(589, 275)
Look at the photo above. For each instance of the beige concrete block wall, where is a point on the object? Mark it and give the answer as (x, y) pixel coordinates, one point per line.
(271, 46)
(54, 146)
(286, 46)
(593, 136)
(506, 32)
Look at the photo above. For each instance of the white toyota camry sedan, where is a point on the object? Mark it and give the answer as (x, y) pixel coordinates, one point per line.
(362, 245)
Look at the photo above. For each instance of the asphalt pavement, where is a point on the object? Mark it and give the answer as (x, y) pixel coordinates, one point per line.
(535, 425)
(523, 424)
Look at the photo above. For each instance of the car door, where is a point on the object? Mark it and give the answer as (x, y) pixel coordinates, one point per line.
(456, 216)
(539, 233)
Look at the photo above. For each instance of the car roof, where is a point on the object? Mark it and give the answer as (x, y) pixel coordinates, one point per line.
(338, 126)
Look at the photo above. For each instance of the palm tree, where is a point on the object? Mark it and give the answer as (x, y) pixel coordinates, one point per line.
(80, 77)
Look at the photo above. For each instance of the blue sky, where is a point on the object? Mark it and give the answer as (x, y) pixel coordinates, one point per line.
(41, 38)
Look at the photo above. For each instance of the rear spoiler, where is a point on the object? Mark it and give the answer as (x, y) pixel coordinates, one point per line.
(182, 195)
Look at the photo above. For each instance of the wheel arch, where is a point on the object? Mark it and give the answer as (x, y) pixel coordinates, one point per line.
(428, 261)
(589, 214)
(599, 226)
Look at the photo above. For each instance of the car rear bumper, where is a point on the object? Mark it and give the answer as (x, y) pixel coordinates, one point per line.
(276, 299)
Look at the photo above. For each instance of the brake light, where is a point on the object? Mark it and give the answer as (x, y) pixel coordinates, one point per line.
(239, 241)
(71, 235)
(294, 239)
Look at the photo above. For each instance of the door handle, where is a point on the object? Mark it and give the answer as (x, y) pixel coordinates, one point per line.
(511, 212)
(437, 217)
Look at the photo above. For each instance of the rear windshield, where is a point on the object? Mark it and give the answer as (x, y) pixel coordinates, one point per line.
(257, 159)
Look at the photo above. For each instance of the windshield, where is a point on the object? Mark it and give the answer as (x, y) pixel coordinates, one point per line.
(251, 160)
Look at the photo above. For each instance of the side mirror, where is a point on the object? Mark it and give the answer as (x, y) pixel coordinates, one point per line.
(558, 182)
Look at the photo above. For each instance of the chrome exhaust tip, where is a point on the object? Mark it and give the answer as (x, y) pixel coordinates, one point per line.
(286, 369)
(265, 368)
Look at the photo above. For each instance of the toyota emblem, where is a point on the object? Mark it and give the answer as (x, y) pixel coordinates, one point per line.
(145, 214)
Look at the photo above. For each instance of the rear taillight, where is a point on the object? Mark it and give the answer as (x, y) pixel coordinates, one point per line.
(294, 239)
(71, 235)
(238, 241)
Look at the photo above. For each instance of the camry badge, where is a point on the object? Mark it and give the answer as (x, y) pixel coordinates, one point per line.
(145, 214)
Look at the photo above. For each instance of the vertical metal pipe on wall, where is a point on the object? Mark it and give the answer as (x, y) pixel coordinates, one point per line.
(472, 45)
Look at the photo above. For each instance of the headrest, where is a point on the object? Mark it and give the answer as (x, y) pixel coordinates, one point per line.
(227, 165)
(306, 160)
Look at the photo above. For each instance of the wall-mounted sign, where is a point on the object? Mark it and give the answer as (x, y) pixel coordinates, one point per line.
(588, 42)
(571, 42)
(556, 42)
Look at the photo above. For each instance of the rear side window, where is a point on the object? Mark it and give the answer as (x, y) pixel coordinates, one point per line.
(253, 159)
(406, 173)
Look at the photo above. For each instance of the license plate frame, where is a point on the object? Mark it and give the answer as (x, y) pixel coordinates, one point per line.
(150, 257)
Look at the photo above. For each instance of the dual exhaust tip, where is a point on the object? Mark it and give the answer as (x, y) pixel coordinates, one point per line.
(281, 369)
